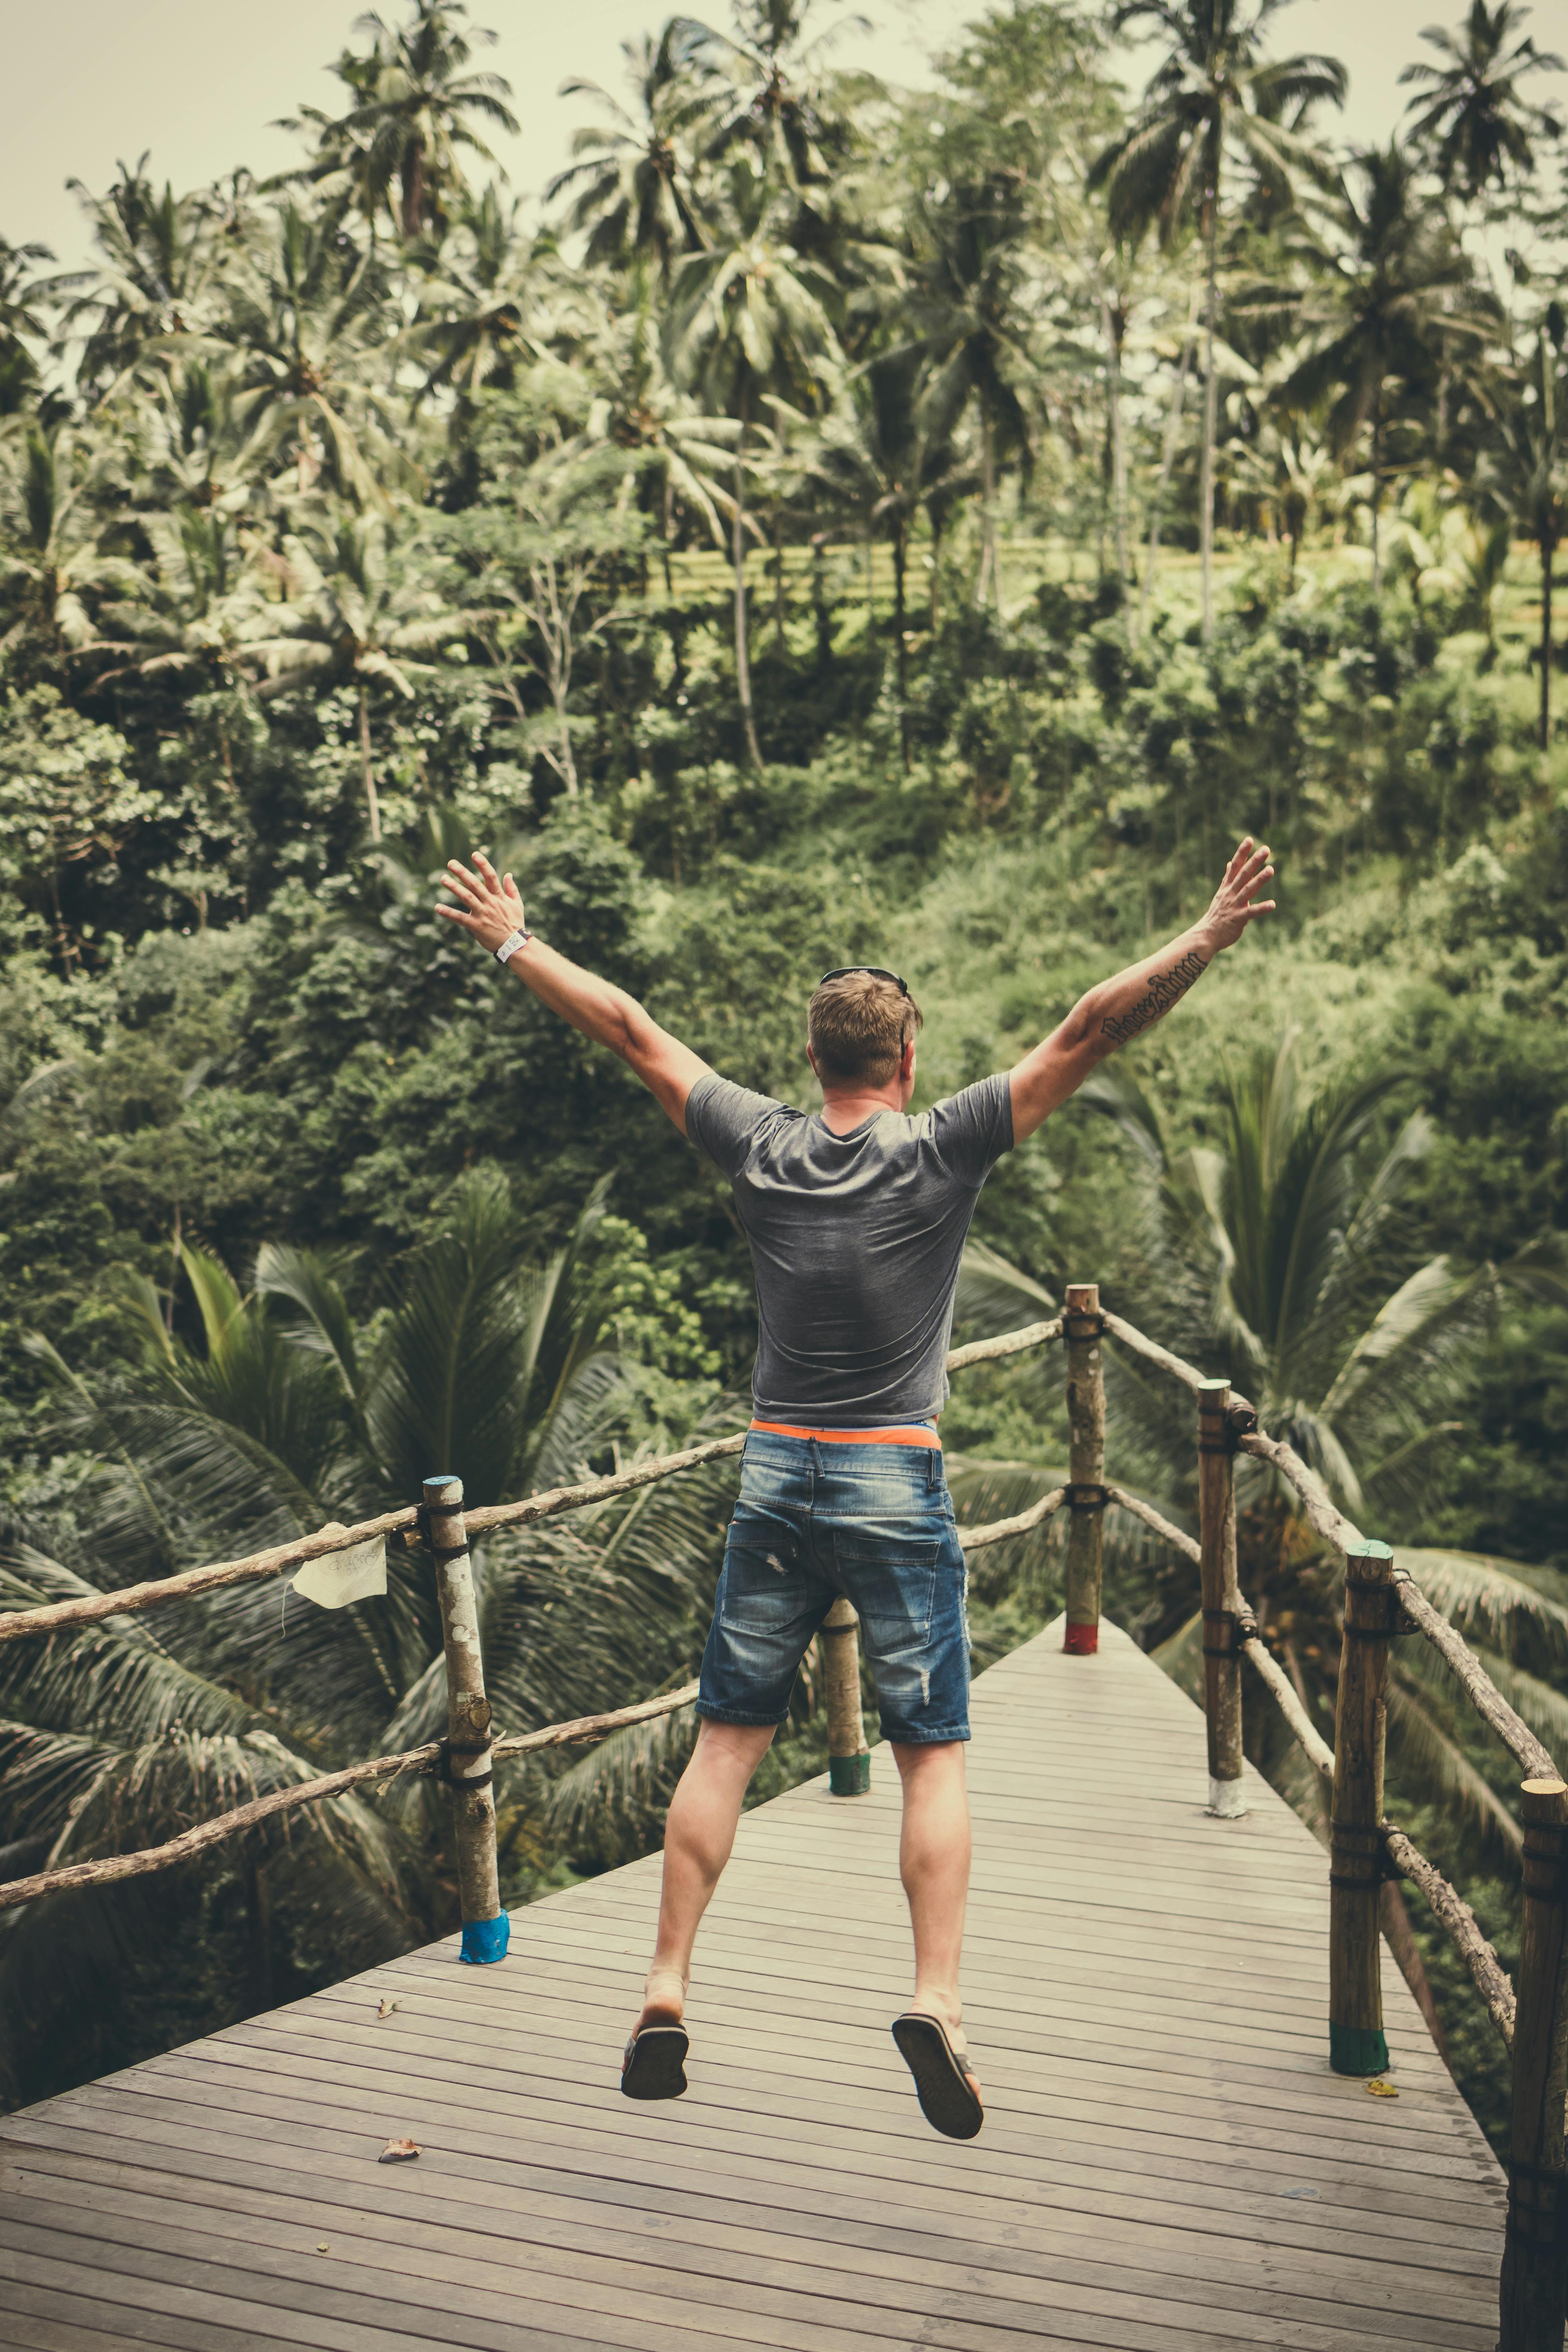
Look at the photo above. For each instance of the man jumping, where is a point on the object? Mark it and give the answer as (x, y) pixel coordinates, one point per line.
(856, 1216)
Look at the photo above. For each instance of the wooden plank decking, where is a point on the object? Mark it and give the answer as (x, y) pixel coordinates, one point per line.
(1167, 2164)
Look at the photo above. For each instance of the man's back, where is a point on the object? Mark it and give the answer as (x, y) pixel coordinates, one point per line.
(855, 1241)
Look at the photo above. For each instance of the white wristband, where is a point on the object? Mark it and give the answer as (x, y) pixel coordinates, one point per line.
(509, 947)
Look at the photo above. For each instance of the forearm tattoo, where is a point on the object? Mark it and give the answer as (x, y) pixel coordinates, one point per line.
(1167, 988)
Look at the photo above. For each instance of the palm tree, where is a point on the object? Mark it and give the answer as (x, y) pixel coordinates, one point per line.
(163, 260)
(185, 441)
(284, 1413)
(1523, 478)
(1289, 470)
(54, 564)
(1482, 564)
(873, 453)
(631, 175)
(777, 101)
(538, 557)
(309, 319)
(68, 796)
(194, 609)
(482, 303)
(351, 615)
(414, 110)
(1267, 1253)
(1395, 297)
(1213, 98)
(1472, 120)
(1269, 1239)
(21, 321)
(195, 620)
(288, 1413)
(970, 307)
(749, 316)
(679, 453)
(121, 1740)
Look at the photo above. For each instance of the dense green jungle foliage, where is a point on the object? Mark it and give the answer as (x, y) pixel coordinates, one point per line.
(843, 523)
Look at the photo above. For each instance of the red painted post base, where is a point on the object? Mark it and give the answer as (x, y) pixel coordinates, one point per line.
(1080, 1640)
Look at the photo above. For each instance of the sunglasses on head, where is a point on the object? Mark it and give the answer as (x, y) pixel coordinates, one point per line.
(877, 971)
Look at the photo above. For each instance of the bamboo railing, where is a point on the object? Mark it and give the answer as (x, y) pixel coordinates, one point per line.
(1380, 1604)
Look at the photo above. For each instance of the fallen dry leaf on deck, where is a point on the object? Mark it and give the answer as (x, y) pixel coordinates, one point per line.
(397, 2152)
(386, 2008)
(323, 2247)
(1381, 2091)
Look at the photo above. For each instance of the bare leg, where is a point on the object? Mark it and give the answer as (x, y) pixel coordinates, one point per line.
(933, 1863)
(698, 1837)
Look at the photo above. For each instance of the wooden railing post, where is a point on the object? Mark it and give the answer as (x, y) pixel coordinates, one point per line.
(1217, 1572)
(467, 1752)
(1535, 2250)
(849, 1759)
(1357, 2044)
(1083, 1330)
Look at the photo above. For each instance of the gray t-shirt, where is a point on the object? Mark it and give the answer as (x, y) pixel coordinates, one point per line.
(856, 1243)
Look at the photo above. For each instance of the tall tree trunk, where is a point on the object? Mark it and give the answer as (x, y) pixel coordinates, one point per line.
(738, 560)
(413, 176)
(1115, 435)
(1377, 494)
(986, 584)
(779, 636)
(1548, 551)
(871, 599)
(554, 628)
(373, 806)
(902, 651)
(935, 601)
(665, 526)
(820, 611)
(173, 1272)
(1211, 399)
(1167, 460)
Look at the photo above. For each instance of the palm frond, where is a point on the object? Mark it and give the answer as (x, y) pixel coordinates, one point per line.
(1182, 1657)
(995, 1296)
(1430, 1763)
(308, 1282)
(1542, 1706)
(1496, 1597)
(615, 1793)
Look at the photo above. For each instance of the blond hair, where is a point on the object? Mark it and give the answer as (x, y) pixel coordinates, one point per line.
(857, 1026)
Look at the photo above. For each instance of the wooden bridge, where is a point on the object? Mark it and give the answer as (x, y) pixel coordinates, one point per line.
(1168, 2164)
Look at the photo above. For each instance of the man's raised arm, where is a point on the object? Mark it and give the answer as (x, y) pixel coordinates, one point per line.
(489, 908)
(1124, 1007)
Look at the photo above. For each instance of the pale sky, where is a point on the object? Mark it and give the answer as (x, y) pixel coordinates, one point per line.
(93, 81)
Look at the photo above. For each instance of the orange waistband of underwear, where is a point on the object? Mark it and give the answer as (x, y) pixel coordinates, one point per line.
(911, 1433)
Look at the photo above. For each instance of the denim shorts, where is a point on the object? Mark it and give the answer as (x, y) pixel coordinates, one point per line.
(818, 1518)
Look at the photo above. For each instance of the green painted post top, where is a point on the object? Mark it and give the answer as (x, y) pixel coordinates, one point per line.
(1369, 1551)
(1212, 1384)
(1358, 2049)
(436, 1485)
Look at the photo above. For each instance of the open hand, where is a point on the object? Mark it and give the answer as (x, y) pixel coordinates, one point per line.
(488, 904)
(1236, 903)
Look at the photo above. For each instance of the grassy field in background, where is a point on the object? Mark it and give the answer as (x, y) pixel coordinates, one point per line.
(848, 577)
